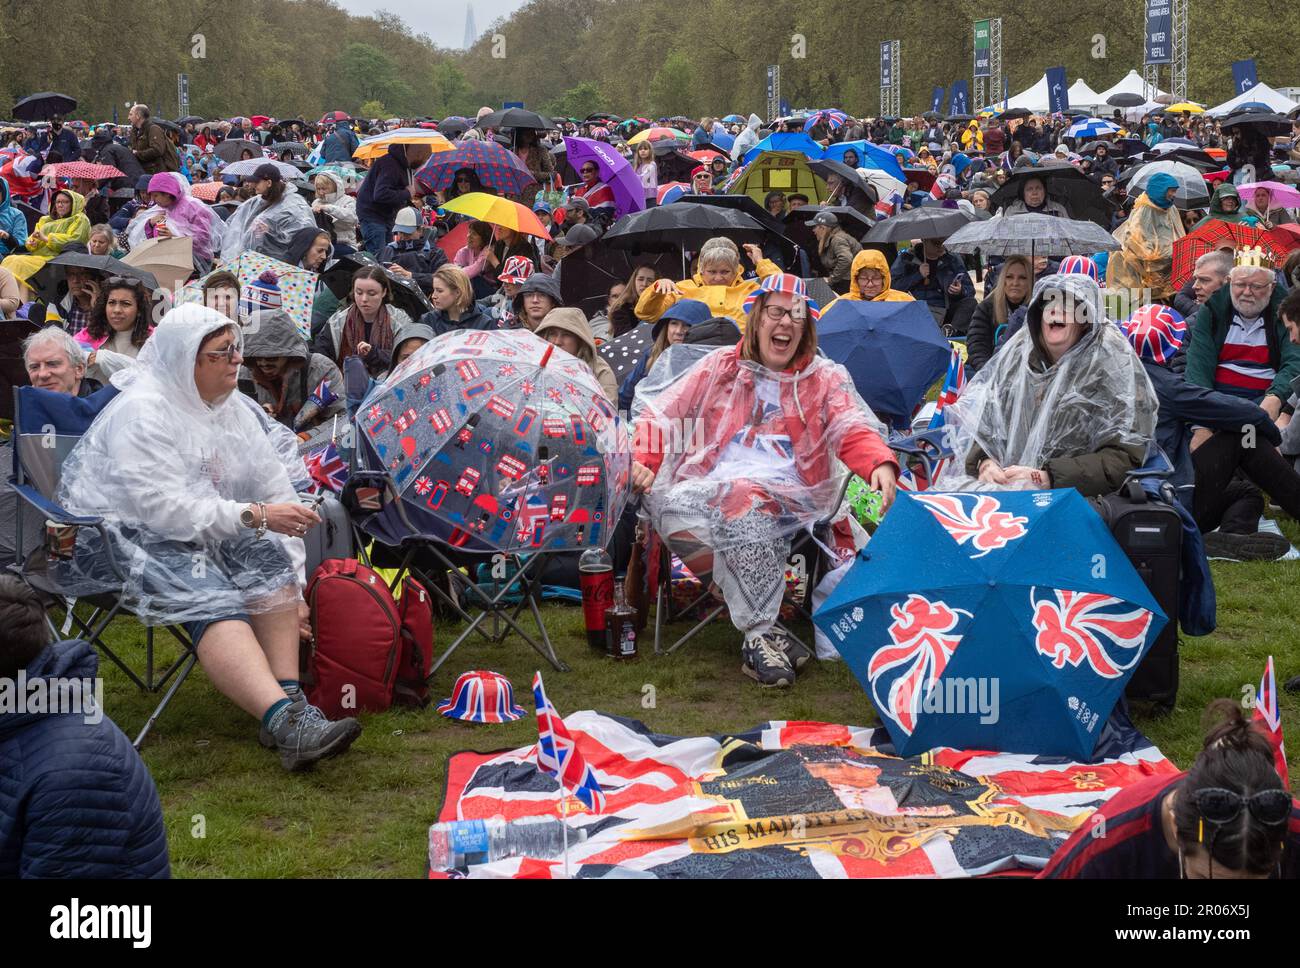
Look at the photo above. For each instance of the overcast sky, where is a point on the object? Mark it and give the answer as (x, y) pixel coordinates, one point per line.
(442, 20)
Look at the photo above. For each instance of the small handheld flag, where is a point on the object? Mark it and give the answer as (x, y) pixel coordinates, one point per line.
(1269, 721)
(559, 756)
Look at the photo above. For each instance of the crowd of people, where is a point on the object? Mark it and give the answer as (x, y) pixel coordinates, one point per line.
(202, 389)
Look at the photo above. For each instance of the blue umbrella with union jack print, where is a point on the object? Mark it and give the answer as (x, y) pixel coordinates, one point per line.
(1007, 621)
(497, 167)
(495, 441)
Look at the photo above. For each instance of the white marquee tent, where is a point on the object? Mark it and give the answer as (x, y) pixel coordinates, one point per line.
(1261, 94)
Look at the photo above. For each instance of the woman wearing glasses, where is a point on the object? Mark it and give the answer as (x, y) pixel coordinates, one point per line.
(1228, 817)
(200, 509)
(774, 414)
(598, 196)
(463, 182)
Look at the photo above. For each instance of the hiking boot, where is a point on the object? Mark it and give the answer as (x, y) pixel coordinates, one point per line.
(794, 650)
(765, 661)
(304, 735)
(264, 736)
(1260, 546)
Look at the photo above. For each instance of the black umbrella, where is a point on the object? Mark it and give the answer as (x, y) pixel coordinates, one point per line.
(623, 352)
(190, 119)
(743, 203)
(290, 147)
(169, 126)
(587, 274)
(1269, 123)
(929, 222)
(682, 225)
(1123, 100)
(453, 128)
(829, 166)
(1195, 157)
(932, 116)
(43, 106)
(850, 219)
(514, 118)
(31, 215)
(230, 149)
(1012, 114)
(957, 117)
(406, 295)
(50, 276)
(1081, 196)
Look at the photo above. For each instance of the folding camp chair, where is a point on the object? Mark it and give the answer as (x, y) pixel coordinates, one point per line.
(46, 427)
(805, 556)
(921, 456)
(496, 606)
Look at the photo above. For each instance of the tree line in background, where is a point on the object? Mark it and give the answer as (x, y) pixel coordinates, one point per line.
(574, 57)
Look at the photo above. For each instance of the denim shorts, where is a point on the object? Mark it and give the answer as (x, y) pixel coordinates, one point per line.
(196, 628)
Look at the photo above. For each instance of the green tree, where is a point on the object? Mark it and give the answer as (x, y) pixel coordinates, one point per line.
(366, 73)
(451, 91)
(374, 109)
(579, 102)
(670, 88)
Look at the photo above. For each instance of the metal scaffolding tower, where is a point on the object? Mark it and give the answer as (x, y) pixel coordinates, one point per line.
(896, 89)
(1178, 80)
(995, 65)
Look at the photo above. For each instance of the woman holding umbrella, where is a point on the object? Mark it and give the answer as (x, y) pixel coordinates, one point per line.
(775, 413)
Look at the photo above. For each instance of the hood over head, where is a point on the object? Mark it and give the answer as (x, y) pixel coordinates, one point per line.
(272, 333)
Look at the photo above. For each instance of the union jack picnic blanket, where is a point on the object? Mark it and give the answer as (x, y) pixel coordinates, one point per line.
(795, 800)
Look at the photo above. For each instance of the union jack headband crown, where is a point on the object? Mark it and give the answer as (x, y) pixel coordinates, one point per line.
(1156, 332)
(787, 283)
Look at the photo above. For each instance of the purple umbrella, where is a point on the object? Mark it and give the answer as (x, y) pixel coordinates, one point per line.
(614, 170)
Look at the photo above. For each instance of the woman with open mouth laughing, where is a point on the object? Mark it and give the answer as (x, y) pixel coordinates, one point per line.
(762, 421)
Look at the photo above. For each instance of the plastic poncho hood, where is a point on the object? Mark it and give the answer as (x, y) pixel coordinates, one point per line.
(733, 430)
(170, 473)
(187, 217)
(1023, 409)
(267, 228)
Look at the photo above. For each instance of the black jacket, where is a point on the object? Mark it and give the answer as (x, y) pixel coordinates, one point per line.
(386, 189)
(412, 257)
(982, 335)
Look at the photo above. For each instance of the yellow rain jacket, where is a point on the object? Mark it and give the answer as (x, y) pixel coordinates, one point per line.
(722, 300)
(871, 259)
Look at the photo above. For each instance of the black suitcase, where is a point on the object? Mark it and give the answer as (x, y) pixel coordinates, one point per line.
(1151, 533)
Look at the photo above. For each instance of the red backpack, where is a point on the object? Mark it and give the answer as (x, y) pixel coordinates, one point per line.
(363, 642)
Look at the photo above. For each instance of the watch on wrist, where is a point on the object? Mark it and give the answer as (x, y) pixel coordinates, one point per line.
(247, 518)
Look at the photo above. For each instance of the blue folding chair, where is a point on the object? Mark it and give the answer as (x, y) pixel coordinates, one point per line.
(47, 425)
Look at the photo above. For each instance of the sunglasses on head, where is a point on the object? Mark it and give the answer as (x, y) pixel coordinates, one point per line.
(1221, 806)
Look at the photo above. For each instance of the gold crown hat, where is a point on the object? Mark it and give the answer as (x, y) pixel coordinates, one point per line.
(1253, 257)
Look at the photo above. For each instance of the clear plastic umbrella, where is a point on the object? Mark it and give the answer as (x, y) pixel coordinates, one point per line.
(1192, 191)
(1031, 235)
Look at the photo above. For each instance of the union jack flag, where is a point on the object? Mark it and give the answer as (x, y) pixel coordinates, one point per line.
(527, 387)
(889, 206)
(1078, 627)
(328, 471)
(952, 387)
(986, 527)
(559, 756)
(1269, 721)
(923, 638)
(322, 395)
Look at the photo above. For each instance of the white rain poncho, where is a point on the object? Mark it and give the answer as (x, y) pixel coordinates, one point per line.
(1021, 410)
(170, 475)
(268, 229)
(745, 458)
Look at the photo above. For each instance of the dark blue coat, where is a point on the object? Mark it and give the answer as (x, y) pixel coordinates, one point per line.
(473, 318)
(75, 799)
(1184, 406)
(906, 273)
(386, 189)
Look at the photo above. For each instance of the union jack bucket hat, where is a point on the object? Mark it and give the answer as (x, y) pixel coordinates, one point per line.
(481, 696)
(787, 283)
(1156, 332)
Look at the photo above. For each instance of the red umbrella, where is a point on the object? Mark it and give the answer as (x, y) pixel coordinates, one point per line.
(706, 155)
(86, 169)
(1217, 234)
(259, 120)
(207, 191)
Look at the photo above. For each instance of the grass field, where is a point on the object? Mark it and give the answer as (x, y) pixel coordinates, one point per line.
(366, 814)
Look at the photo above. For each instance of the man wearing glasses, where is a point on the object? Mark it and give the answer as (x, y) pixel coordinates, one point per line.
(1240, 346)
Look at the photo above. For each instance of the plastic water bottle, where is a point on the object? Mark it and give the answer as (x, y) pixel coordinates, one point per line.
(461, 843)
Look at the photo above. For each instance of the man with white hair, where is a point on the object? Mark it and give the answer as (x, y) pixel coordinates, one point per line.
(1239, 346)
(1208, 276)
(54, 361)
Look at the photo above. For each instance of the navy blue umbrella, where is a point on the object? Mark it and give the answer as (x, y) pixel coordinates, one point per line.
(1022, 594)
(893, 350)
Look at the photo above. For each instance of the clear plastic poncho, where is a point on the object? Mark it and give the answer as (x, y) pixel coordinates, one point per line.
(170, 475)
(1021, 410)
(739, 439)
(269, 229)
